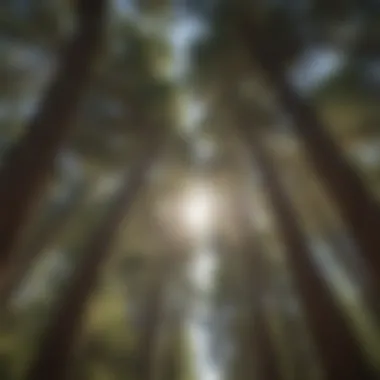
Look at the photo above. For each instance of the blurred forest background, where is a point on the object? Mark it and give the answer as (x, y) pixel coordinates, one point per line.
(189, 189)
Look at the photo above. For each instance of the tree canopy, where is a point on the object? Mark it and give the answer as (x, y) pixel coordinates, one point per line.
(189, 190)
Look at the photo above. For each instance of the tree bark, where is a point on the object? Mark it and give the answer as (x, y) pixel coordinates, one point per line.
(258, 346)
(27, 167)
(52, 225)
(147, 355)
(357, 206)
(53, 356)
(340, 353)
(267, 361)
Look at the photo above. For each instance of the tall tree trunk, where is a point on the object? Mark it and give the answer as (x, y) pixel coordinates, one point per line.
(54, 353)
(340, 353)
(172, 356)
(257, 341)
(266, 358)
(27, 167)
(52, 224)
(147, 355)
(357, 206)
(256, 354)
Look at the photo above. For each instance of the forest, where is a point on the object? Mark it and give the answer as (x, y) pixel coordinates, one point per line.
(189, 190)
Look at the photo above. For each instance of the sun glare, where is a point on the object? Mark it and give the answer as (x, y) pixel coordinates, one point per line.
(198, 210)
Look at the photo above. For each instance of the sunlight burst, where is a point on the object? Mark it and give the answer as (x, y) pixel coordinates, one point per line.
(198, 210)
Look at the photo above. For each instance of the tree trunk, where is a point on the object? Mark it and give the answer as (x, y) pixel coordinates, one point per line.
(51, 226)
(341, 355)
(267, 361)
(259, 340)
(147, 355)
(171, 361)
(26, 169)
(356, 205)
(54, 353)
